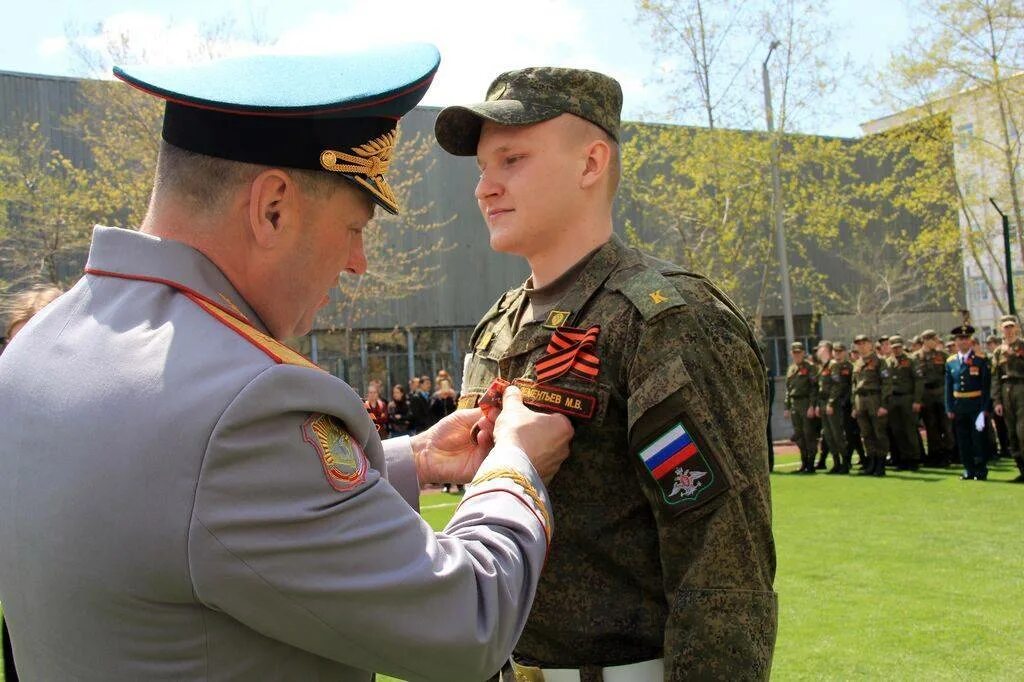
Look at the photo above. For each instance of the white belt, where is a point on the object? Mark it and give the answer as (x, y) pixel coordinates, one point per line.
(644, 671)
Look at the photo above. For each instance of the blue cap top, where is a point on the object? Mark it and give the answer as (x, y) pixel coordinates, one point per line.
(335, 113)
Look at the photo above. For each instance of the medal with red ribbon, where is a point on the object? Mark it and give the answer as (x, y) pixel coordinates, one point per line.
(570, 350)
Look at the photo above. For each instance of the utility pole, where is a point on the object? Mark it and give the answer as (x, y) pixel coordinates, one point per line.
(1006, 255)
(780, 232)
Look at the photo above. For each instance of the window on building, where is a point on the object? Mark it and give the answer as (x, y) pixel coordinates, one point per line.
(964, 135)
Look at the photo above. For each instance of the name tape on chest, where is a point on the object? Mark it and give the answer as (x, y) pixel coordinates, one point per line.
(557, 399)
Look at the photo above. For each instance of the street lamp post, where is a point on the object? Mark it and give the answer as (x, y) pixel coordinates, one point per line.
(780, 233)
(1006, 255)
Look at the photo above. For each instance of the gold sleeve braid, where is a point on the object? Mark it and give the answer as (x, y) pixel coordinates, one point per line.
(527, 486)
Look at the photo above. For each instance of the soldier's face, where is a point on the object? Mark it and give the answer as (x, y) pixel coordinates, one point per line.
(1010, 333)
(841, 355)
(526, 192)
(863, 348)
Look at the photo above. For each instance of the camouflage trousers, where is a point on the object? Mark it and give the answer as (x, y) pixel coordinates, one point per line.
(1013, 414)
(938, 429)
(903, 422)
(872, 428)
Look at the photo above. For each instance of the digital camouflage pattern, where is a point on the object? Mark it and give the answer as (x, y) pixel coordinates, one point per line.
(931, 370)
(801, 394)
(632, 575)
(872, 389)
(530, 96)
(830, 390)
(907, 390)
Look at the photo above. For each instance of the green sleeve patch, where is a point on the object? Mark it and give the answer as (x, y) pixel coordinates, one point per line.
(651, 292)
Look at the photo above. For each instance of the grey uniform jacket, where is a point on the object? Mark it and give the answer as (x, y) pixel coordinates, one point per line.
(180, 502)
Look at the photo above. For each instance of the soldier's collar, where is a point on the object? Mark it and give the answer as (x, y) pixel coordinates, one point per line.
(128, 254)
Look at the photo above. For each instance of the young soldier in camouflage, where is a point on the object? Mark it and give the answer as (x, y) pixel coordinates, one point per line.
(663, 562)
(931, 370)
(831, 389)
(1008, 386)
(872, 393)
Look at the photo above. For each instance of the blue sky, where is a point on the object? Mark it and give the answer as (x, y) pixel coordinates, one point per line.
(478, 39)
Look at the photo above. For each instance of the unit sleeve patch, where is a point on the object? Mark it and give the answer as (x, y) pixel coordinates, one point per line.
(343, 459)
(684, 475)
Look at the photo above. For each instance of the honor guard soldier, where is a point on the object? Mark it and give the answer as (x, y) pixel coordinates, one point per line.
(872, 395)
(967, 400)
(1008, 386)
(931, 370)
(832, 389)
(801, 398)
(663, 563)
(905, 407)
(186, 498)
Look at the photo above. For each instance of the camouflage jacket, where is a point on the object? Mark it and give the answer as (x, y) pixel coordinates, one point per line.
(834, 382)
(1007, 366)
(663, 543)
(872, 376)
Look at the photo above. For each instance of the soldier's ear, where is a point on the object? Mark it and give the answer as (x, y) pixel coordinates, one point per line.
(597, 156)
(273, 206)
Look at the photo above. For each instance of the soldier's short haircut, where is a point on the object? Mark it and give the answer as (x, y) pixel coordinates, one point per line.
(205, 182)
(590, 131)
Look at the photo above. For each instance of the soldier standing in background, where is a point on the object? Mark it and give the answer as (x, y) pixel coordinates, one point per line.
(967, 398)
(829, 409)
(872, 389)
(1008, 387)
(906, 405)
(931, 369)
(801, 394)
(851, 431)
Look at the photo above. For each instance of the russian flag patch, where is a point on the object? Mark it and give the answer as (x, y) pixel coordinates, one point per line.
(681, 470)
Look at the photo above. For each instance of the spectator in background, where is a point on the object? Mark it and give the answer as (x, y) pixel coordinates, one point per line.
(419, 405)
(18, 311)
(377, 408)
(443, 403)
(426, 390)
(399, 418)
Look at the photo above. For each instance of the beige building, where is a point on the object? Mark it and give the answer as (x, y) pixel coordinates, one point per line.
(986, 154)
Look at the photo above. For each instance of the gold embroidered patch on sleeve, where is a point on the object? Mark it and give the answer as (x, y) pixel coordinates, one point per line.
(367, 165)
(341, 456)
(523, 482)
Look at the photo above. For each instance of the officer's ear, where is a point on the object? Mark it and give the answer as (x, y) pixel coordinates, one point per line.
(273, 206)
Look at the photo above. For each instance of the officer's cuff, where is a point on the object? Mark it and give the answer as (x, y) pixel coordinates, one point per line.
(508, 470)
(401, 471)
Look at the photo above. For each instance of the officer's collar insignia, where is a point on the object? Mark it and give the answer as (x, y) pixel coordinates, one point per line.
(556, 318)
(570, 350)
(685, 476)
(340, 455)
(366, 165)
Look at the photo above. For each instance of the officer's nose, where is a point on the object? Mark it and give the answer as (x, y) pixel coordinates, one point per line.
(357, 258)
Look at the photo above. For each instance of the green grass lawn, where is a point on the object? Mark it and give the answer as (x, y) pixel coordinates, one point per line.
(910, 577)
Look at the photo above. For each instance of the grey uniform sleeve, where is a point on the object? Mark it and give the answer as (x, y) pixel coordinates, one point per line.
(401, 473)
(319, 551)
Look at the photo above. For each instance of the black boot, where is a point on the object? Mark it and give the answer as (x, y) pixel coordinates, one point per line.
(1020, 467)
(879, 469)
(867, 465)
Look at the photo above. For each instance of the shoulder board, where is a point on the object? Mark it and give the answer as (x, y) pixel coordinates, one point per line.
(502, 304)
(650, 291)
(277, 351)
(951, 358)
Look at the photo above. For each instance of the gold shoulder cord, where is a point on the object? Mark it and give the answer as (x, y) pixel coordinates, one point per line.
(526, 485)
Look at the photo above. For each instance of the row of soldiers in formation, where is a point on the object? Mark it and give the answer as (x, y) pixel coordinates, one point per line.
(873, 401)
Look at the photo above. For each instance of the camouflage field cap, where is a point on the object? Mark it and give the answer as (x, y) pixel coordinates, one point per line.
(797, 347)
(825, 344)
(896, 340)
(991, 338)
(530, 96)
(861, 337)
(929, 334)
(1007, 320)
(838, 346)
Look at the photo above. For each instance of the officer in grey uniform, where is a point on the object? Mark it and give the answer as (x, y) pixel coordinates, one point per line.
(186, 498)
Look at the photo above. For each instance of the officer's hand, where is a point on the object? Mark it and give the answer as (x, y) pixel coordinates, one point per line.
(882, 412)
(543, 437)
(916, 407)
(951, 416)
(999, 410)
(445, 453)
(829, 411)
(785, 413)
(812, 412)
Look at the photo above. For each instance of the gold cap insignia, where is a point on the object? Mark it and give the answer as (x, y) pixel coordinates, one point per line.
(367, 165)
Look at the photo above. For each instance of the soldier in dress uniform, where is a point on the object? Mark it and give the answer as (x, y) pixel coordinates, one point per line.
(801, 399)
(832, 388)
(1008, 387)
(663, 563)
(907, 389)
(872, 395)
(183, 496)
(967, 400)
(931, 370)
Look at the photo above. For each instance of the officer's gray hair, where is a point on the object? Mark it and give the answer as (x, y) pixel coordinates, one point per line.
(204, 182)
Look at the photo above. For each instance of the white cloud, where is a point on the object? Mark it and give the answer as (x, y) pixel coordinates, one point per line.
(49, 47)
